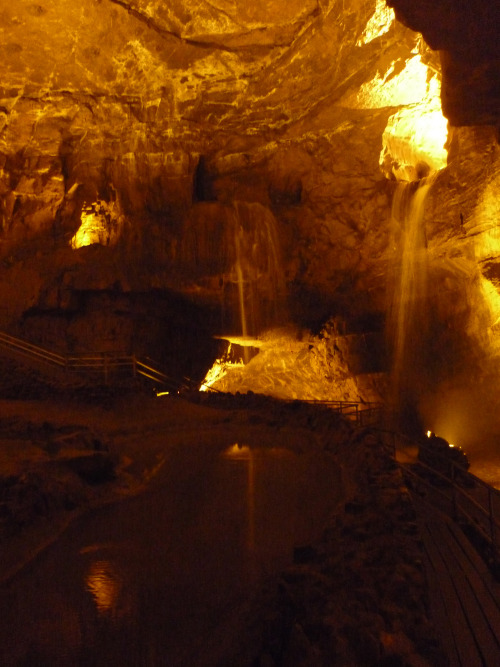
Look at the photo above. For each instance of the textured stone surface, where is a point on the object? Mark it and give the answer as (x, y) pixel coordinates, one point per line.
(144, 130)
(467, 36)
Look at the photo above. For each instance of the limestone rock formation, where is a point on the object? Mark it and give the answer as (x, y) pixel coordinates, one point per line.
(467, 38)
(170, 172)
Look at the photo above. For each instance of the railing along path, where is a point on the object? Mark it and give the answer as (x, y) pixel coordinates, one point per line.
(106, 365)
(466, 498)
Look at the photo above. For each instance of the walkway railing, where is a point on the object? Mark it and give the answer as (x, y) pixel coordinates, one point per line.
(467, 498)
(363, 414)
(106, 365)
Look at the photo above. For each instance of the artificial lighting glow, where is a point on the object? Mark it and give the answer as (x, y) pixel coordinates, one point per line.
(237, 451)
(487, 243)
(429, 434)
(492, 298)
(486, 217)
(219, 370)
(379, 23)
(415, 136)
(215, 373)
(414, 142)
(414, 84)
(162, 393)
(104, 584)
(92, 229)
(99, 225)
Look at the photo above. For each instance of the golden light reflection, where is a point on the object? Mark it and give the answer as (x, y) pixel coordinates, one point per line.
(244, 453)
(414, 142)
(492, 298)
(217, 372)
(237, 451)
(487, 244)
(105, 585)
(219, 369)
(414, 139)
(379, 23)
(486, 221)
(397, 86)
(99, 224)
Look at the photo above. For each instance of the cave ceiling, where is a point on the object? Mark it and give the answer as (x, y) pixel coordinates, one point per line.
(109, 109)
(467, 36)
(147, 71)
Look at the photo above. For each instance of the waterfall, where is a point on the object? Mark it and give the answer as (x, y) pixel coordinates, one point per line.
(235, 251)
(409, 316)
(256, 269)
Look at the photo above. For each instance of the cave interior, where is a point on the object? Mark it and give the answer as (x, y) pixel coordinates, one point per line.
(298, 197)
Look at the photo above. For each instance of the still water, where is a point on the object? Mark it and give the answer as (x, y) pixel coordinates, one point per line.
(165, 578)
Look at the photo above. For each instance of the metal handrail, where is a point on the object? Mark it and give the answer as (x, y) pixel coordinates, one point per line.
(363, 413)
(105, 363)
(479, 515)
(29, 349)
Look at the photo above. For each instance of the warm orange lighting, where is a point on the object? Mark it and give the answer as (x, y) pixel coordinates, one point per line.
(484, 223)
(379, 23)
(487, 243)
(417, 133)
(492, 298)
(215, 373)
(237, 451)
(104, 584)
(395, 87)
(99, 224)
(219, 370)
(243, 453)
(413, 142)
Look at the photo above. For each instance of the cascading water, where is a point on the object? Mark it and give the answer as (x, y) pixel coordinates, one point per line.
(235, 251)
(257, 270)
(409, 316)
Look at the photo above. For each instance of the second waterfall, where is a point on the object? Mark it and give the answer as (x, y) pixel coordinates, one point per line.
(409, 317)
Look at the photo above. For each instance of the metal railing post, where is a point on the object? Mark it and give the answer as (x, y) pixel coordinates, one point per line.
(454, 494)
(492, 526)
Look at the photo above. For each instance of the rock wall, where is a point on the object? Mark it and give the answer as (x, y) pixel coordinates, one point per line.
(143, 128)
(466, 36)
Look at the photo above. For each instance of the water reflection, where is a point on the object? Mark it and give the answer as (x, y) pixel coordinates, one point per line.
(244, 453)
(165, 578)
(106, 584)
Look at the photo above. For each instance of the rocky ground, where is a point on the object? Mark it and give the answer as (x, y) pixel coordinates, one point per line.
(357, 597)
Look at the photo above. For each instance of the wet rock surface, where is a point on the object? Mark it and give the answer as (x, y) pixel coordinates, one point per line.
(128, 170)
(467, 39)
(357, 597)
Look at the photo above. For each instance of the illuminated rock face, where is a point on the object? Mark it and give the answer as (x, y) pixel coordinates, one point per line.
(467, 37)
(126, 127)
